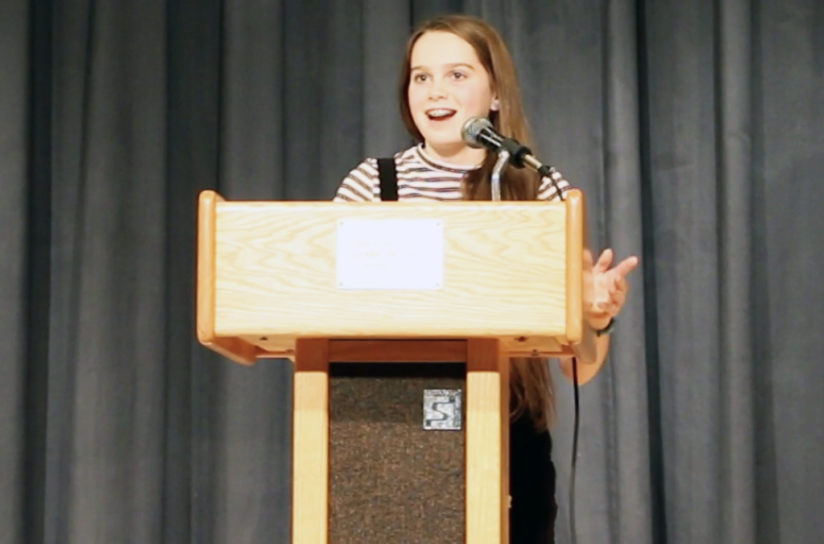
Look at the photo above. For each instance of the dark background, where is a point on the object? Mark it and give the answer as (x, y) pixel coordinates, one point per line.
(695, 127)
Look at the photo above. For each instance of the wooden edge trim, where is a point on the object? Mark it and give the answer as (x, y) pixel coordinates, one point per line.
(206, 225)
(561, 351)
(234, 348)
(574, 265)
(310, 443)
(487, 443)
(394, 351)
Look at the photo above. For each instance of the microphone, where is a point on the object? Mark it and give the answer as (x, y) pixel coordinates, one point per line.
(478, 132)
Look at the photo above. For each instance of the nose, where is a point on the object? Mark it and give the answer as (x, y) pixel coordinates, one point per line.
(436, 90)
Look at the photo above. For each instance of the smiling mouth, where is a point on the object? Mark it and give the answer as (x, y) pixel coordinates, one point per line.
(440, 114)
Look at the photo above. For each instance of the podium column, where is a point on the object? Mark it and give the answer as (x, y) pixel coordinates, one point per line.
(310, 442)
(487, 443)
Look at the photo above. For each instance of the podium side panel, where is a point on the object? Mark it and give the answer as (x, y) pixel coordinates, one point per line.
(237, 349)
(576, 244)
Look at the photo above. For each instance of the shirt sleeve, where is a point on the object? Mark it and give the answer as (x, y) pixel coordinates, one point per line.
(551, 185)
(361, 184)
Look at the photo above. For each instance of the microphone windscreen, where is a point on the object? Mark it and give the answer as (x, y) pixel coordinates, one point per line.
(472, 129)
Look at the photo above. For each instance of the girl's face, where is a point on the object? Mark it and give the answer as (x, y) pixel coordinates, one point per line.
(447, 86)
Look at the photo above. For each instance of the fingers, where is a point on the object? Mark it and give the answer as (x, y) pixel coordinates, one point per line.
(616, 295)
(626, 266)
(604, 260)
(619, 285)
(623, 268)
(611, 285)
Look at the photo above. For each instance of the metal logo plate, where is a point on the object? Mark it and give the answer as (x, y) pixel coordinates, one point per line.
(442, 409)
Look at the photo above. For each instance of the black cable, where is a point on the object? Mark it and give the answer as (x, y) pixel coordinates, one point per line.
(572, 537)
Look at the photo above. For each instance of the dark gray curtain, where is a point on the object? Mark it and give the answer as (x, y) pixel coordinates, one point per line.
(695, 128)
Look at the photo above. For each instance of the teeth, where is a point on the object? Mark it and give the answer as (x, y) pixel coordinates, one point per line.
(439, 113)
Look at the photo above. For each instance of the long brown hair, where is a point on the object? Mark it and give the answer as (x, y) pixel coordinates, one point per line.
(530, 381)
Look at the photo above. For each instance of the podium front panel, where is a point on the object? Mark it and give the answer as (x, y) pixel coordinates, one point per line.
(278, 266)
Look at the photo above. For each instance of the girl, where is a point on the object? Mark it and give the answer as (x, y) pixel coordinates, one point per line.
(457, 67)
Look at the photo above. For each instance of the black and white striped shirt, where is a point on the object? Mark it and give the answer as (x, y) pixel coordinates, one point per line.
(420, 177)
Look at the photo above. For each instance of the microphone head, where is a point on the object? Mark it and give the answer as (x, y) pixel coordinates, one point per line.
(472, 130)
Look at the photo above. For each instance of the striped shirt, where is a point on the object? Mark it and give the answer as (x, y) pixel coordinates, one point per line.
(420, 177)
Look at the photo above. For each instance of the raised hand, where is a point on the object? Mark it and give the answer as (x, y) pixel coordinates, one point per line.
(609, 288)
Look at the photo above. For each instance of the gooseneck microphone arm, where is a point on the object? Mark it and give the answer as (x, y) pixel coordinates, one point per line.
(503, 158)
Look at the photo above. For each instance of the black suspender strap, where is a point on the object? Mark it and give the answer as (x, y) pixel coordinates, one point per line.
(389, 178)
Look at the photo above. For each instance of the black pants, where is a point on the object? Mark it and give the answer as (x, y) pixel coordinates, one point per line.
(531, 484)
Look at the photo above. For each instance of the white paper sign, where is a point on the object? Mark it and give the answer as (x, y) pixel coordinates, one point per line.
(390, 254)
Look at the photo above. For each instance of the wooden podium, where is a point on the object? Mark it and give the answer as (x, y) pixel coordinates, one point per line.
(325, 283)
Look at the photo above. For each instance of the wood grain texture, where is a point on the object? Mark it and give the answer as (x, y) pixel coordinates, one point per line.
(487, 443)
(234, 348)
(310, 443)
(207, 205)
(505, 274)
(388, 351)
(575, 245)
(282, 345)
(267, 286)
